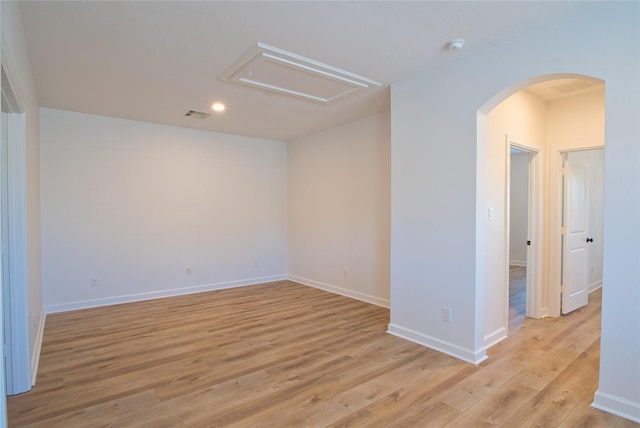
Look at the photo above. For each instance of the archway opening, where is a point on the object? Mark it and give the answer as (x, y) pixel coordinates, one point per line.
(545, 115)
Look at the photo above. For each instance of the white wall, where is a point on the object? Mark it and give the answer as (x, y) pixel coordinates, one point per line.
(134, 204)
(339, 200)
(576, 122)
(519, 204)
(15, 50)
(438, 211)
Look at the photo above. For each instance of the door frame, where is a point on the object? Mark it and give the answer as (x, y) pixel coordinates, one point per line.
(533, 308)
(555, 226)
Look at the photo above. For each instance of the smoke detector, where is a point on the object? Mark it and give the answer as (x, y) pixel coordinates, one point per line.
(455, 45)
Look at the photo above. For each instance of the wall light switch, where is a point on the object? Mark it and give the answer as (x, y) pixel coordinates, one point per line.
(446, 314)
(490, 214)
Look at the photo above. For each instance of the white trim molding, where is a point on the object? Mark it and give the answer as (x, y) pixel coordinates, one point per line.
(594, 286)
(492, 338)
(367, 298)
(617, 405)
(128, 298)
(11, 88)
(35, 355)
(470, 356)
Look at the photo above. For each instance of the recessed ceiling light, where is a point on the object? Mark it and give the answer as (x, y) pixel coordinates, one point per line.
(218, 107)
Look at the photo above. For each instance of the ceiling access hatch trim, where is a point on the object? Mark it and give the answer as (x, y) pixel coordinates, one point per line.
(275, 70)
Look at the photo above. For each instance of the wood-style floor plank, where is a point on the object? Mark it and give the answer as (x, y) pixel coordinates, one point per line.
(286, 355)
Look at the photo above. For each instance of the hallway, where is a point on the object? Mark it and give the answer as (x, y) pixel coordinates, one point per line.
(517, 295)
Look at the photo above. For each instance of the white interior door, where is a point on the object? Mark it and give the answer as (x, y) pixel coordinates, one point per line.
(575, 239)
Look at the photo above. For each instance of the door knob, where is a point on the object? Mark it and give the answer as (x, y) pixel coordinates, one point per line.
(589, 239)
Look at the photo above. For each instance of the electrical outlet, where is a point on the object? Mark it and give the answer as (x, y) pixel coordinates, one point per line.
(188, 271)
(446, 314)
(93, 282)
(256, 265)
(344, 273)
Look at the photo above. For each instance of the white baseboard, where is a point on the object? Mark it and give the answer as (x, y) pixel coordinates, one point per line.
(593, 287)
(342, 291)
(94, 303)
(35, 353)
(518, 263)
(497, 336)
(617, 405)
(473, 357)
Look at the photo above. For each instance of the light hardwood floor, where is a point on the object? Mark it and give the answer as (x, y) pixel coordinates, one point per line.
(286, 355)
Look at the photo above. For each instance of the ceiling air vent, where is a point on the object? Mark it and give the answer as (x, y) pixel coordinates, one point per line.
(278, 71)
(197, 114)
(572, 86)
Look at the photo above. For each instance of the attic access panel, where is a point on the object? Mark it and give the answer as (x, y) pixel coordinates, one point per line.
(275, 70)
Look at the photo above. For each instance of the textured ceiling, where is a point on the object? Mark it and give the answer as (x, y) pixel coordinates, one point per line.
(153, 61)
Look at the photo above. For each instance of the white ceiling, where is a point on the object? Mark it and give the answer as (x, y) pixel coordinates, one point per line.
(154, 60)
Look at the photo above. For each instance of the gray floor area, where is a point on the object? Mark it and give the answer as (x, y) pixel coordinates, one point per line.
(517, 294)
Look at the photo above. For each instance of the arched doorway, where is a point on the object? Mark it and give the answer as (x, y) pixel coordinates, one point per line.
(522, 117)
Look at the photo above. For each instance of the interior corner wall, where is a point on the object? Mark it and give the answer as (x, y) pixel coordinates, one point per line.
(338, 214)
(14, 42)
(435, 228)
(577, 122)
(132, 205)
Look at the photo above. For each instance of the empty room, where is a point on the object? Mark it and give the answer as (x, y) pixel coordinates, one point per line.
(288, 213)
